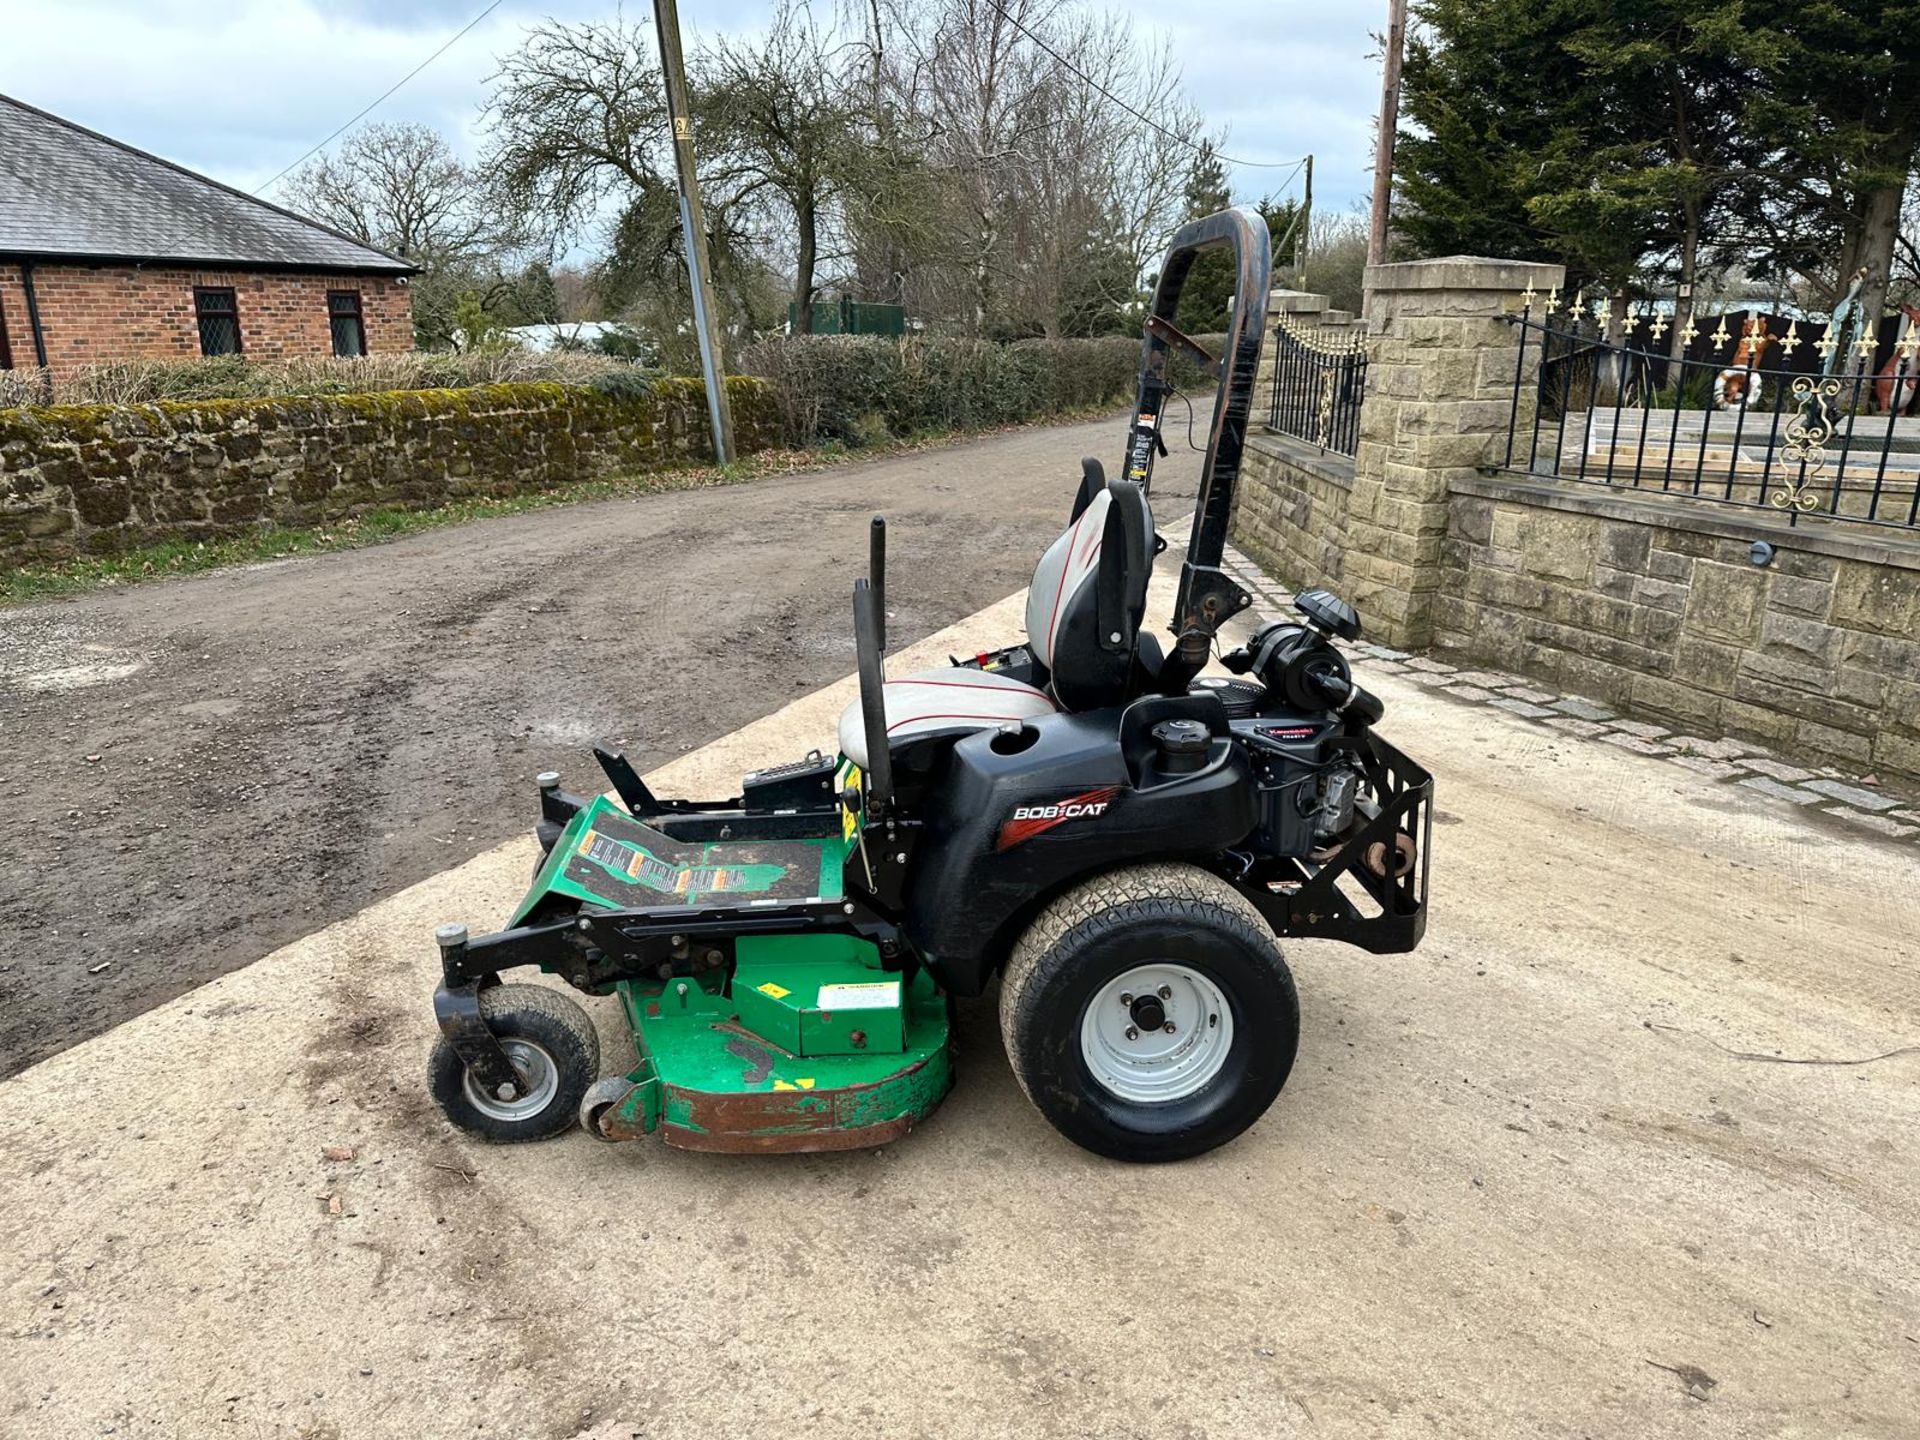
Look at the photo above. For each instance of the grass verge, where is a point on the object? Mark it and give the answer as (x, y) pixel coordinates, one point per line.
(187, 557)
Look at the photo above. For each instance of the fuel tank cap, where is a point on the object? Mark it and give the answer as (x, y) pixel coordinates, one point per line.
(1183, 744)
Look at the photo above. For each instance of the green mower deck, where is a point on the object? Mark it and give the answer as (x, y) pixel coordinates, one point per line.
(707, 1080)
(812, 1045)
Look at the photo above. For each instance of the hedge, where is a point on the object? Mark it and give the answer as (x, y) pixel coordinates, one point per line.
(863, 389)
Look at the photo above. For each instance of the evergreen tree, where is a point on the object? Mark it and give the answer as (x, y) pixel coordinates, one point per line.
(1636, 139)
(1842, 111)
(1203, 301)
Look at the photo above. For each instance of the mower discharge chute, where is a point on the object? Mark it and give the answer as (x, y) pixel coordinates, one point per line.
(1085, 815)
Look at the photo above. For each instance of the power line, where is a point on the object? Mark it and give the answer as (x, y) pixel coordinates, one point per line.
(452, 40)
(1143, 119)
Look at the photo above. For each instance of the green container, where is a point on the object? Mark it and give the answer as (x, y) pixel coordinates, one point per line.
(850, 317)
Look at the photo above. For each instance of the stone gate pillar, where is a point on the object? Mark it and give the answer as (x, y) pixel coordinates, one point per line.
(1440, 393)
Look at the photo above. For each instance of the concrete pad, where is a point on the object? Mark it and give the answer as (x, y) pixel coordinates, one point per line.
(1537, 1179)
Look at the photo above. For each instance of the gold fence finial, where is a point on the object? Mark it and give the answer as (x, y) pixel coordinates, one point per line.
(1719, 338)
(1791, 341)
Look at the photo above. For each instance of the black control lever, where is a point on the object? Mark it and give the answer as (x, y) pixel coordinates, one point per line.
(873, 703)
(877, 575)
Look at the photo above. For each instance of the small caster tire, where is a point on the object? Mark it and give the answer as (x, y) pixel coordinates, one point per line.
(1148, 1014)
(554, 1047)
(601, 1097)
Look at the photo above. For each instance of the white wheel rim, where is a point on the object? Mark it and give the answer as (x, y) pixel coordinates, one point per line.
(540, 1080)
(1172, 1061)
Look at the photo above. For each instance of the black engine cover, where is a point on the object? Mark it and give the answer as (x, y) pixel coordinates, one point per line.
(1015, 818)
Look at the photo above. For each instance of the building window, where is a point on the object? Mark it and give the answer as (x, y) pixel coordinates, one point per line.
(349, 327)
(219, 320)
(6, 350)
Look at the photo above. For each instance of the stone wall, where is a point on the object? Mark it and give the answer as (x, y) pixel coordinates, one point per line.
(1290, 512)
(1650, 603)
(101, 479)
(1656, 606)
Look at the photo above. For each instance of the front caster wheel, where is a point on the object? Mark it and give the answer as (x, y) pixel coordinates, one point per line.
(551, 1044)
(1148, 1013)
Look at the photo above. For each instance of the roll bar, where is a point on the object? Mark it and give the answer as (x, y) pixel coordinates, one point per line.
(1207, 596)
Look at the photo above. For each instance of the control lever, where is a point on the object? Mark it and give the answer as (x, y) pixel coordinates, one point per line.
(877, 574)
(873, 704)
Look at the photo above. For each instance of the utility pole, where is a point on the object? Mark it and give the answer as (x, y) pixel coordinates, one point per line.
(1389, 124)
(1306, 231)
(693, 229)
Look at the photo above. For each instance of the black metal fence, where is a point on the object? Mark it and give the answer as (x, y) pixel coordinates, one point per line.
(1752, 424)
(1319, 381)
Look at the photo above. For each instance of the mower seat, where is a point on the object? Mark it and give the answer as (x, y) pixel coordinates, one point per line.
(1108, 547)
(1101, 563)
(952, 698)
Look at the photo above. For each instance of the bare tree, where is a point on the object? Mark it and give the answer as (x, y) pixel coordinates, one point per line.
(949, 154)
(578, 143)
(782, 119)
(967, 68)
(1036, 169)
(401, 187)
(577, 115)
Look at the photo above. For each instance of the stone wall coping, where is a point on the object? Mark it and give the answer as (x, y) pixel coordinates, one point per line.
(1464, 272)
(1847, 541)
(1328, 465)
(1294, 302)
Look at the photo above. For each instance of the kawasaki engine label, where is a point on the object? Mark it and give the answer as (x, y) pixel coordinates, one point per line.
(1028, 821)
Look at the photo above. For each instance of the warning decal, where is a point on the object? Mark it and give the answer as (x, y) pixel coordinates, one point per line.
(870, 995)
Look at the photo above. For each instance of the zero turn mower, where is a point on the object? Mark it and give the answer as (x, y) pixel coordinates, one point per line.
(1119, 839)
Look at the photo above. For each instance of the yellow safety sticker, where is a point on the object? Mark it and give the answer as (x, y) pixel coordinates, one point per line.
(849, 779)
(778, 992)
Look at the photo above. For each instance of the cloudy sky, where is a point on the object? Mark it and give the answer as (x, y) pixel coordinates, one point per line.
(240, 90)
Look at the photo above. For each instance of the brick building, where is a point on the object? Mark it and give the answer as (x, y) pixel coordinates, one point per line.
(109, 253)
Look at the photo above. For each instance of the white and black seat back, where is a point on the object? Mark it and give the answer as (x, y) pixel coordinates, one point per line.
(1089, 597)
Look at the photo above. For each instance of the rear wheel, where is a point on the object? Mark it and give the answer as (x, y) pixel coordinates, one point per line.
(1149, 1014)
(552, 1046)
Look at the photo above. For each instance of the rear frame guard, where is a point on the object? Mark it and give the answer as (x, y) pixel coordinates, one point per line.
(1311, 903)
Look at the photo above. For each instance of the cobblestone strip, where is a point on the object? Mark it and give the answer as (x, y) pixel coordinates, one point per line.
(1855, 799)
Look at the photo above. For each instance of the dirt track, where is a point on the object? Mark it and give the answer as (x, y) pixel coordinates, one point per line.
(201, 770)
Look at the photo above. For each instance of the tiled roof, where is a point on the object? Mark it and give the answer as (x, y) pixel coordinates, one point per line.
(66, 191)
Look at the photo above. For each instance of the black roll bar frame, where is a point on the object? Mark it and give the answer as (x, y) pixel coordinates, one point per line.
(1207, 595)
